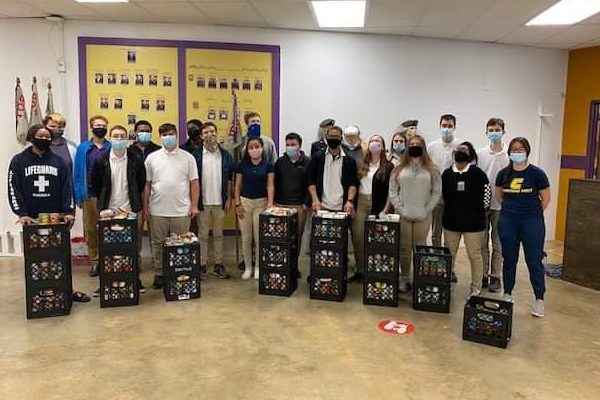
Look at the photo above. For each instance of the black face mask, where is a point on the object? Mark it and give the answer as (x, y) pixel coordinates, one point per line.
(41, 144)
(415, 151)
(461, 156)
(100, 132)
(334, 143)
(193, 133)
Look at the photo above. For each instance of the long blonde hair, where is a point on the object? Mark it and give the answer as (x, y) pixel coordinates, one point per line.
(363, 167)
(425, 159)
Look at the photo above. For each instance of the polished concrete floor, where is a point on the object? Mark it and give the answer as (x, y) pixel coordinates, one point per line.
(234, 344)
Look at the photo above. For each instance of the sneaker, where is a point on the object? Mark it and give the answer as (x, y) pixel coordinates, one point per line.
(538, 308)
(203, 272)
(454, 277)
(495, 285)
(256, 273)
(96, 293)
(158, 282)
(142, 288)
(485, 281)
(94, 271)
(508, 297)
(220, 271)
(357, 277)
(242, 266)
(474, 293)
(403, 286)
(247, 274)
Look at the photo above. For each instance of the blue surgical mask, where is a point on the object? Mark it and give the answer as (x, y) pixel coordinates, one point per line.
(292, 152)
(254, 131)
(169, 142)
(398, 147)
(494, 137)
(518, 158)
(118, 144)
(144, 137)
(446, 132)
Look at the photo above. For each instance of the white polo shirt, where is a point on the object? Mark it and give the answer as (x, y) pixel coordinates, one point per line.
(442, 153)
(333, 191)
(119, 192)
(211, 178)
(491, 163)
(170, 174)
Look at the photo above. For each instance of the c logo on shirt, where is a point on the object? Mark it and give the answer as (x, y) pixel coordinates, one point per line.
(516, 184)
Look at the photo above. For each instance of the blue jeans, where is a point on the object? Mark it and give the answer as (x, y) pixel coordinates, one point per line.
(530, 231)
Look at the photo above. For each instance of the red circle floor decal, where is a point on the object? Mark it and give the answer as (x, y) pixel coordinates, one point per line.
(396, 327)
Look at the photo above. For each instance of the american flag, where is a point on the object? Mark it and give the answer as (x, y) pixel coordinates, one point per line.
(235, 127)
(50, 102)
(36, 111)
(21, 121)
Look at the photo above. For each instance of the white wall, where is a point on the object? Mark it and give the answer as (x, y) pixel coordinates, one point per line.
(372, 81)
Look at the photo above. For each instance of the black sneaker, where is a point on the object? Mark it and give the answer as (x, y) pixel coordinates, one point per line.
(220, 271)
(484, 282)
(356, 278)
(202, 272)
(454, 277)
(94, 271)
(158, 282)
(242, 266)
(96, 293)
(495, 285)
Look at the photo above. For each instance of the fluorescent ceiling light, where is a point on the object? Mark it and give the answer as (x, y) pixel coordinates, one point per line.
(102, 1)
(340, 14)
(567, 12)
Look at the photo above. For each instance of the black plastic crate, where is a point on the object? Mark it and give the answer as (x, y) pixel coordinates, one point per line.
(118, 263)
(488, 321)
(278, 255)
(329, 231)
(329, 259)
(380, 292)
(181, 286)
(432, 265)
(45, 240)
(118, 291)
(382, 233)
(278, 227)
(378, 262)
(432, 297)
(48, 301)
(118, 232)
(327, 288)
(275, 282)
(48, 271)
(181, 256)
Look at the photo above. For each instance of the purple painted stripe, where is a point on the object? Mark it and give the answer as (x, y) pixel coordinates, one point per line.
(574, 162)
(276, 68)
(182, 95)
(83, 111)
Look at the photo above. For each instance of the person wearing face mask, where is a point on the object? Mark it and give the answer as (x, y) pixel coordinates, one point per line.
(291, 179)
(40, 182)
(320, 144)
(415, 190)
(467, 194)
(353, 145)
(143, 146)
(398, 146)
(523, 190)
(171, 194)
(442, 154)
(492, 159)
(118, 179)
(254, 192)
(252, 120)
(88, 152)
(65, 149)
(374, 176)
(194, 134)
(215, 172)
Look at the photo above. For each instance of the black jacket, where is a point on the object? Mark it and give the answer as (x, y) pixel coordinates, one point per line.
(149, 149)
(380, 189)
(189, 146)
(316, 170)
(136, 180)
(317, 147)
(291, 180)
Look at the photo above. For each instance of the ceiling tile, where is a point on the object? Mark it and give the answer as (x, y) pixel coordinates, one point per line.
(230, 13)
(122, 12)
(286, 14)
(446, 31)
(485, 33)
(575, 34)
(391, 13)
(175, 11)
(513, 12)
(67, 8)
(398, 30)
(17, 9)
(461, 12)
(532, 34)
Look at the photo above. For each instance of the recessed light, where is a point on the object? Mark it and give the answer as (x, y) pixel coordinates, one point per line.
(340, 14)
(567, 12)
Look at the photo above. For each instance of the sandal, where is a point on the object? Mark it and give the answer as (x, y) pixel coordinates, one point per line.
(81, 297)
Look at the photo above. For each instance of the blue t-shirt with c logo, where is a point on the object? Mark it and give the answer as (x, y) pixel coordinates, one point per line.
(521, 189)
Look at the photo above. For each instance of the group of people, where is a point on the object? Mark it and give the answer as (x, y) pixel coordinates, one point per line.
(446, 186)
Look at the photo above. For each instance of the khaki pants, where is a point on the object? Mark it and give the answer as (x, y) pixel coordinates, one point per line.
(358, 230)
(436, 224)
(160, 228)
(90, 227)
(412, 233)
(473, 242)
(249, 227)
(301, 219)
(495, 269)
(211, 218)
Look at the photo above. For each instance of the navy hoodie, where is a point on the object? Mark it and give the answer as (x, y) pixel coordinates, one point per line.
(39, 184)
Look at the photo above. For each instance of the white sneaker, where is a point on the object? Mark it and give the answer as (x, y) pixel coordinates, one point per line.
(256, 273)
(474, 293)
(247, 274)
(508, 297)
(402, 286)
(538, 308)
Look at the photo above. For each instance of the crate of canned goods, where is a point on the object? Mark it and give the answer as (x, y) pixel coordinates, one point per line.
(432, 264)
(48, 300)
(327, 288)
(283, 256)
(117, 229)
(432, 297)
(382, 263)
(329, 259)
(47, 238)
(382, 232)
(181, 286)
(488, 321)
(181, 267)
(275, 282)
(329, 228)
(278, 224)
(119, 291)
(380, 292)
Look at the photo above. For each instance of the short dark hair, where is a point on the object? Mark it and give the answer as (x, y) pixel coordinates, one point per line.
(117, 127)
(335, 128)
(495, 121)
(166, 128)
(448, 117)
(472, 152)
(294, 136)
(523, 141)
(208, 124)
(142, 122)
(95, 117)
(195, 122)
(33, 130)
(250, 114)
